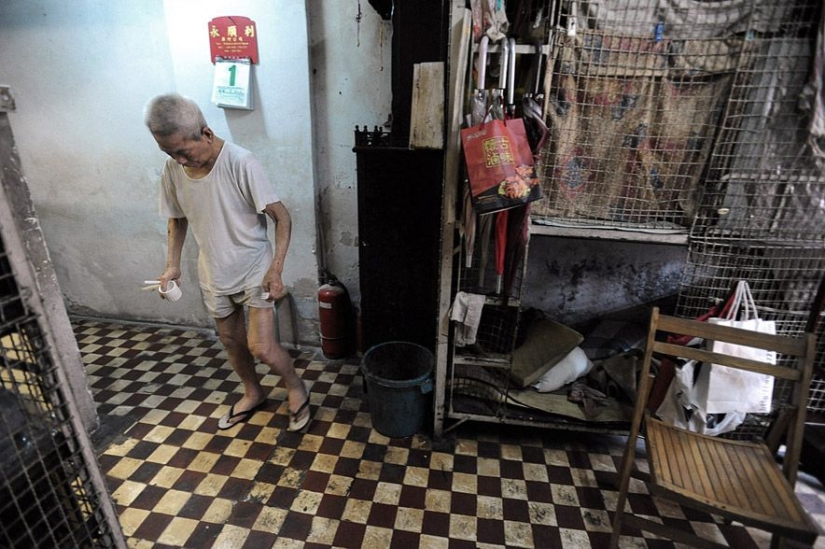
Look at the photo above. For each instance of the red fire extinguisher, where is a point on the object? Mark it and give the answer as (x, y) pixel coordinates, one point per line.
(334, 311)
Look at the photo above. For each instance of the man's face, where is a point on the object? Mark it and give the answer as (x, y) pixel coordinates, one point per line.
(191, 153)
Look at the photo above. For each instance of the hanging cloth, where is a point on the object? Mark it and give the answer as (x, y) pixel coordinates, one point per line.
(466, 312)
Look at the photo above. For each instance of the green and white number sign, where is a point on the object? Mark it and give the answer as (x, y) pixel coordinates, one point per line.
(231, 86)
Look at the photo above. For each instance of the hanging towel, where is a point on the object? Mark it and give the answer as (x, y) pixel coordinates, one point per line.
(467, 314)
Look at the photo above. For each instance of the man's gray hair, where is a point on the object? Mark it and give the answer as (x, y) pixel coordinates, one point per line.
(173, 113)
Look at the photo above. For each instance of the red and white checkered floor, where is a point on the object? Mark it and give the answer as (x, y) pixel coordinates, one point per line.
(178, 481)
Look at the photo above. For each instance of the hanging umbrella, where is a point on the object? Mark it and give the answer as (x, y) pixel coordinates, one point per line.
(518, 234)
(502, 216)
(495, 110)
(510, 65)
(484, 228)
(518, 227)
(480, 101)
(469, 215)
(537, 130)
(485, 104)
(501, 246)
(478, 110)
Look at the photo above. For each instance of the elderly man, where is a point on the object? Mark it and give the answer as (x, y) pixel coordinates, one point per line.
(222, 191)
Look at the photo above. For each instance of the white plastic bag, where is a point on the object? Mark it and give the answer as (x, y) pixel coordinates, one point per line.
(720, 389)
(679, 406)
(573, 366)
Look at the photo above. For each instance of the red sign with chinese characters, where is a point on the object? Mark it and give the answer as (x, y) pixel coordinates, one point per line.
(233, 37)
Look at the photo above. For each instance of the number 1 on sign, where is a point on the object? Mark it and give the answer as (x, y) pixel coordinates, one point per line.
(230, 87)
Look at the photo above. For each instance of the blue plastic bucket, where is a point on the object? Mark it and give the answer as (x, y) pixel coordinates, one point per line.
(398, 377)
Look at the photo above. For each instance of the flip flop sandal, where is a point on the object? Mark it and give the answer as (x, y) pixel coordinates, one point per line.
(296, 421)
(226, 422)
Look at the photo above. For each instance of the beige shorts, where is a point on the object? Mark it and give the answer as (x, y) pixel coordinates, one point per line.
(221, 306)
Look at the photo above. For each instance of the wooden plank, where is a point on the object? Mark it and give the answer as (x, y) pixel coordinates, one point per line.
(755, 498)
(781, 344)
(658, 453)
(678, 239)
(715, 476)
(427, 115)
(657, 461)
(460, 42)
(783, 502)
(694, 450)
(728, 461)
(701, 355)
(724, 491)
(681, 471)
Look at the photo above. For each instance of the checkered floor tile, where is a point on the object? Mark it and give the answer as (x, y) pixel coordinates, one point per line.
(178, 481)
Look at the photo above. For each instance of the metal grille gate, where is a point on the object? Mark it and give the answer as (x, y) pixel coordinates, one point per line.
(52, 492)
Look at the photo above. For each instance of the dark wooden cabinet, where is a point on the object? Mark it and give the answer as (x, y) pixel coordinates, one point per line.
(400, 195)
(399, 220)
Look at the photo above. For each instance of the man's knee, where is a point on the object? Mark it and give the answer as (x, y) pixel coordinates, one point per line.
(263, 351)
(230, 337)
(230, 342)
(273, 355)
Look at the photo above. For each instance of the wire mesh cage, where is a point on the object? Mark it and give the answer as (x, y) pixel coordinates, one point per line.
(46, 498)
(782, 278)
(763, 181)
(479, 388)
(696, 115)
(644, 97)
(497, 328)
(760, 216)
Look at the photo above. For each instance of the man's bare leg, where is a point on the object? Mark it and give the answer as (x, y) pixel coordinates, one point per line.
(264, 347)
(233, 335)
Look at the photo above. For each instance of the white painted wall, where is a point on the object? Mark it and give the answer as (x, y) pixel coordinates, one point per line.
(82, 72)
(350, 75)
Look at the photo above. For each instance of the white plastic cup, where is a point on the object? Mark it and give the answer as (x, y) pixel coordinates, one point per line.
(172, 291)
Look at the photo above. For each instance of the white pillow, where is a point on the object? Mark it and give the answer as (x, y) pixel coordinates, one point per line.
(567, 370)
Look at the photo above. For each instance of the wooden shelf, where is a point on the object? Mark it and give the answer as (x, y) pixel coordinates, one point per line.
(675, 238)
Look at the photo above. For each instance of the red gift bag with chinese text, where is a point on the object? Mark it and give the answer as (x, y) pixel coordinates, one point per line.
(500, 165)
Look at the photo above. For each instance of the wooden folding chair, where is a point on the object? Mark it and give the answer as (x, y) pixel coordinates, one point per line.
(734, 479)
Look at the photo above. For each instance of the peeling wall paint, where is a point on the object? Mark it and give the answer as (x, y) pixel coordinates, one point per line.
(93, 168)
(577, 280)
